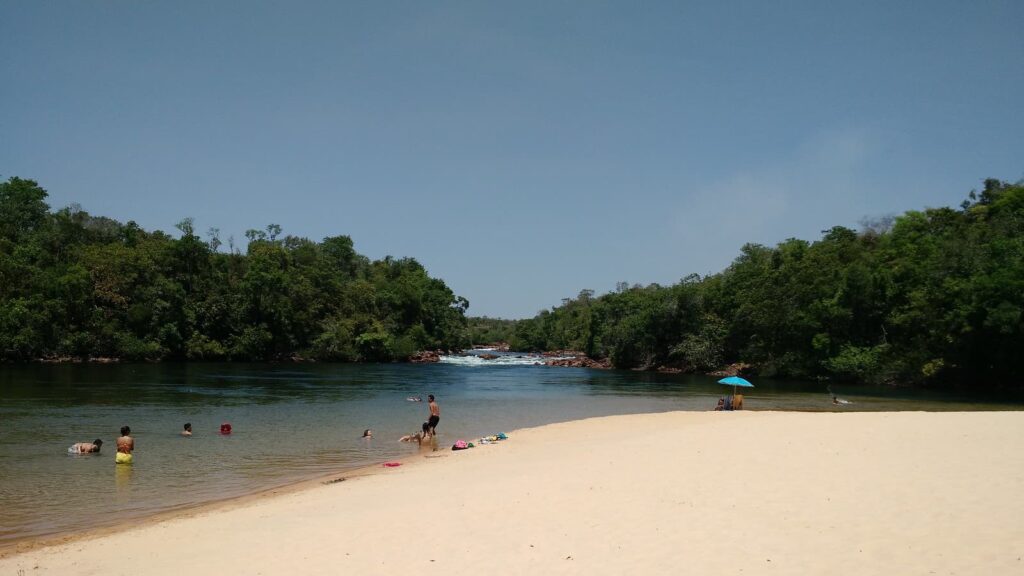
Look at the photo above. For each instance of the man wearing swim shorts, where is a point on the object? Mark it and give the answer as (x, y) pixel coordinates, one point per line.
(125, 445)
(435, 415)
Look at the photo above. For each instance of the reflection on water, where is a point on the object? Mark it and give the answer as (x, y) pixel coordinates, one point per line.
(122, 480)
(298, 421)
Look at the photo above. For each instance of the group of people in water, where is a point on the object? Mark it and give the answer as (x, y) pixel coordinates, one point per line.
(428, 430)
(126, 444)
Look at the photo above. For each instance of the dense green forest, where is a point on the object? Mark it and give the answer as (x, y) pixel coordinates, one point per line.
(75, 285)
(933, 297)
(928, 297)
(486, 330)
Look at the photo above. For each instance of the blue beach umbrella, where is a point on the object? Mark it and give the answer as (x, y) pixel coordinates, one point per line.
(735, 381)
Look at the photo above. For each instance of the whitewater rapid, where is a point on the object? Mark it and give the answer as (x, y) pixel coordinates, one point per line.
(472, 358)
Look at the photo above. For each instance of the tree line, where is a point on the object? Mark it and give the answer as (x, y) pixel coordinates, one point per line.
(73, 285)
(929, 297)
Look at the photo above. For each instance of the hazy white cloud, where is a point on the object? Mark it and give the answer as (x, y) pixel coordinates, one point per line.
(819, 184)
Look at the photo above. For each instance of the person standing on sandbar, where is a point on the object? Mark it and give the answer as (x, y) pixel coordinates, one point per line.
(125, 445)
(435, 415)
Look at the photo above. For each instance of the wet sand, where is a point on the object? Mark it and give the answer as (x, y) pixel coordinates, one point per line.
(683, 492)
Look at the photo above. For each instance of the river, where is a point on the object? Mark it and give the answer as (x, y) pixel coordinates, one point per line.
(298, 421)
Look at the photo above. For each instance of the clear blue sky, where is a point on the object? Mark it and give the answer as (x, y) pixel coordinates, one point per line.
(522, 151)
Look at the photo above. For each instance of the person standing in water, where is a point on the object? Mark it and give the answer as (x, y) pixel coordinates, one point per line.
(435, 415)
(125, 445)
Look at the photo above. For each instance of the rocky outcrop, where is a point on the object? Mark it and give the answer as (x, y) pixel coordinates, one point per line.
(426, 357)
(737, 369)
(580, 362)
(59, 360)
(489, 356)
(497, 346)
(563, 353)
(77, 360)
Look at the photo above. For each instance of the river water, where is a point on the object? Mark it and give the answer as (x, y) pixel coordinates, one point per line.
(299, 421)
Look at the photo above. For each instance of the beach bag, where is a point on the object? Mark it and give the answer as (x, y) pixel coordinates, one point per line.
(460, 445)
(502, 436)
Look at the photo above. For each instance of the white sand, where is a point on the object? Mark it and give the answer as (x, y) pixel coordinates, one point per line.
(679, 493)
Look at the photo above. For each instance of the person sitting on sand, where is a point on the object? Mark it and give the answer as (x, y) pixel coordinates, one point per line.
(367, 433)
(85, 447)
(720, 405)
(188, 430)
(125, 445)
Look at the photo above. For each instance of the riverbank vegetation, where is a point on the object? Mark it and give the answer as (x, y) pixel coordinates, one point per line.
(929, 297)
(74, 285)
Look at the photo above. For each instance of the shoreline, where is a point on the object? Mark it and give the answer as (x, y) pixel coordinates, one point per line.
(30, 543)
(763, 492)
(27, 544)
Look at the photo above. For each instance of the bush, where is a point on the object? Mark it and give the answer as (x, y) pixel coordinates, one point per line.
(374, 346)
(335, 343)
(252, 344)
(858, 363)
(200, 347)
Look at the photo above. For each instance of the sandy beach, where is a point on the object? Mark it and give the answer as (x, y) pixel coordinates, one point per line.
(673, 493)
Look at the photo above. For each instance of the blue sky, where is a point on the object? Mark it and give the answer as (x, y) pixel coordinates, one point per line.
(522, 151)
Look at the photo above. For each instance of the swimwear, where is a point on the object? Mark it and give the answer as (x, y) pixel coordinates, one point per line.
(432, 422)
(123, 458)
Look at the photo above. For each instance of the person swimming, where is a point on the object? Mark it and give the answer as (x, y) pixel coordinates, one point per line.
(225, 429)
(125, 446)
(835, 400)
(188, 430)
(414, 399)
(85, 447)
(417, 437)
(367, 433)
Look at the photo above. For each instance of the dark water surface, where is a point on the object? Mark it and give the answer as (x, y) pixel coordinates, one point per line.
(293, 422)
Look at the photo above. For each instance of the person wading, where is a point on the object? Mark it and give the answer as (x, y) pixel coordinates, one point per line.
(125, 445)
(435, 415)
